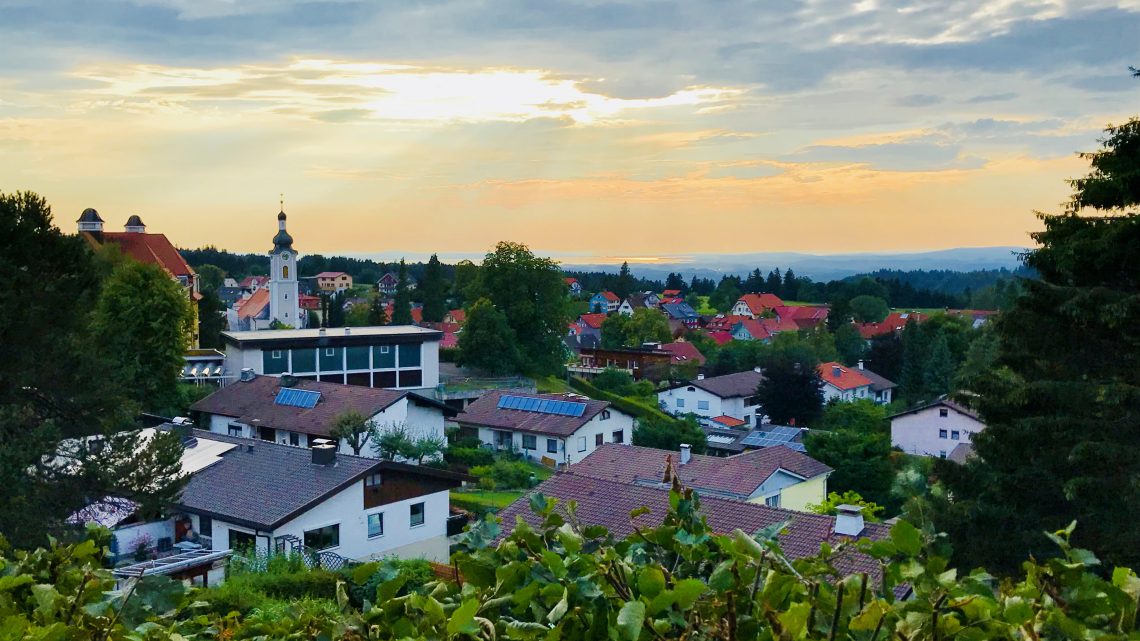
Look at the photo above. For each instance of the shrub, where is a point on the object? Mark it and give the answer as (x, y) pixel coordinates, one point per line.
(468, 457)
(505, 474)
(364, 579)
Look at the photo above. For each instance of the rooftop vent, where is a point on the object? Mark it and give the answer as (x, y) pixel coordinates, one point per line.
(247, 374)
(849, 520)
(686, 453)
(836, 371)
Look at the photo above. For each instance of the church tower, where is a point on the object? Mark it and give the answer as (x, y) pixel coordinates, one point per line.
(284, 304)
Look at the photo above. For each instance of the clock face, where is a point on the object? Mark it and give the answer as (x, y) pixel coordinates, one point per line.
(285, 256)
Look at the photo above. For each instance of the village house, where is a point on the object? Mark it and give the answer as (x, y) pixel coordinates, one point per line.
(894, 323)
(644, 300)
(604, 302)
(731, 395)
(333, 282)
(774, 476)
(850, 384)
(389, 282)
(272, 497)
(251, 284)
(297, 412)
(646, 362)
(573, 286)
(391, 356)
(935, 429)
(455, 317)
(608, 503)
(756, 305)
(729, 437)
(682, 313)
(751, 329)
(684, 353)
(671, 293)
(803, 316)
(152, 249)
(557, 429)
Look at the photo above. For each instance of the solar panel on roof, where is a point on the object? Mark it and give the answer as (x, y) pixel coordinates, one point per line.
(541, 405)
(777, 435)
(297, 398)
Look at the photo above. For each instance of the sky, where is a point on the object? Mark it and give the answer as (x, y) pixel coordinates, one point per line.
(585, 129)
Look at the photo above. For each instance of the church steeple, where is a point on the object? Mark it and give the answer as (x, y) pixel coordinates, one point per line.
(282, 241)
(284, 294)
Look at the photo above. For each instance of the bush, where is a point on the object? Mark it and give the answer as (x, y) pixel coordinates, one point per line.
(507, 475)
(284, 578)
(448, 354)
(468, 457)
(364, 579)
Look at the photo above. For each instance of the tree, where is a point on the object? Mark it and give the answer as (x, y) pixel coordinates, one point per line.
(791, 392)
(210, 278)
(352, 427)
(468, 287)
(615, 331)
(916, 349)
(830, 505)
(665, 433)
(791, 290)
(693, 300)
(624, 283)
(434, 289)
(211, 320)
(774, 282)
(939, 376)
(648, 326)
(402, 301)
(1062, 437)
(840, 312)
(613, 380)
(54, 386)
(885, 356)
(142, 323)
(334, 314)
(487, 342)
(531, 294)
(869, 309)
(377, 311)
(312, 319)
(849, 344)
(726, 294)
(675, 281)
(397, 442)
(853, 439)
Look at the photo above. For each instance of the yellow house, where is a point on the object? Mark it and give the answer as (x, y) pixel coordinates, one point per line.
(774, 476)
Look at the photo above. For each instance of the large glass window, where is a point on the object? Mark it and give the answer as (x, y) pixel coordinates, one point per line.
(304, 360)
(410, 355)
(384, 356)
(411, 378)
(375, 525)
(356, 357)
(275, 361)
(323, 538)
(702, 405)
(417, 515)
(331, 359)
(242, 540)
(529, 442)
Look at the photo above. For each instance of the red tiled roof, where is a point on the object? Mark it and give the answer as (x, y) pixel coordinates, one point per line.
(720, 337)
(725, 322)
(249, 281)
(485, 412)
(155, 249)
(670, 293)
(845, 379)
(684, 352)
(417, 312)
(759, 303)
(755, 327)
(728, 421)
(305, 301)
(802, 312)
(777, 325)
(593, 321)
(612, 297)
(253, 305)
(459, 315)
(608, 503)
(570, 280)
(738, 475)
(894, 322)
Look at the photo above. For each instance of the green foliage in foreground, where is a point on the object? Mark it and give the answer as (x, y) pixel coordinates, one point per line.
(568, 580)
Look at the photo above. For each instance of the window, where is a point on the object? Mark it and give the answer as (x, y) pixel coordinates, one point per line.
(772, 501)
(323, 538)
(410, 355)
(276, 354)
(285, 273)
(330, 351)
(955, 435)
(205, 526)
(680, 402)
(942, 454)
(599, 439)
(619, 436)
(941, 433)
(605, 415)
(417, 515)
(294, 439)
(373, 480)
(747, 419)
(702, 405)
(242, 540)
(375, 525)
(529, 442)
(551, 446)
(581, 443)
(943, 412)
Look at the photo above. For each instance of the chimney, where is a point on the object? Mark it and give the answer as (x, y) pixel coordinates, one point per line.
(758, 369)
(836, 371)
(849, 520)
(321, 331)
(860, 364)
(247, 374)
(700, 377)
(686, 453)
(325, 454)
(347, 331)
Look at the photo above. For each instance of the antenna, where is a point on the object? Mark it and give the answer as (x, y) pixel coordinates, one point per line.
(282, 201)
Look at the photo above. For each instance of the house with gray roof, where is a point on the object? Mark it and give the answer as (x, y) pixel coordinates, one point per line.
(292, 411)
(731, 395)
(267, 496)
(774, 476)
(935, 429)
(557, 429)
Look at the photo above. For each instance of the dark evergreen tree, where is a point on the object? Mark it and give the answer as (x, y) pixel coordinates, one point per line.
(377, 311)
(1062, 437)
(676, 281)
(885, 356)
(335, 316)
(774, 282)
(211, 320)
(623, 285)
(938, 379)
(791, 392)
(434, 290)
(791, 289)
(754, 282)
(916, 350)
(531, 293)
(402, 301)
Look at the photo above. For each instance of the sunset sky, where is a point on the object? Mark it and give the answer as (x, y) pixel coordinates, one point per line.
(585, 128)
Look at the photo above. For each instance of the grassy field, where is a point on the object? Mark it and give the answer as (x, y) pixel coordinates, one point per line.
(479, 501)
(551, 385)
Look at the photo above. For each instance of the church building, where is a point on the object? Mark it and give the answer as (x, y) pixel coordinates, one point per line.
(279, 300)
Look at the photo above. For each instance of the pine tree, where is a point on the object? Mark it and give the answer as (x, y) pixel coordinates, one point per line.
(916, 349)
(402, 302)
(791, 289)
(939, 375)
(434, 290)
(335, 316)
(774, 282)
(377, 312)
(625, 283)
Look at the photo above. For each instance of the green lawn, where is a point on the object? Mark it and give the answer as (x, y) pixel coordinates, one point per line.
(704, 308)
(551, 385)
(480, 501)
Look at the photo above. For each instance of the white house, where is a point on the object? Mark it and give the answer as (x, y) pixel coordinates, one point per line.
(561, 428)
(274, 497)
(732, 395)
(297, 412)
(391, 356)
(844, 383)
(646, 300)
(755, 305)
(935, 429)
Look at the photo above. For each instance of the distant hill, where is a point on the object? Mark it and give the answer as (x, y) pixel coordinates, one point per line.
(822, 267)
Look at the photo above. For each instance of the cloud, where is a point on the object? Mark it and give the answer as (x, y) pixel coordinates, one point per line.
(918, 100)
(993, 97)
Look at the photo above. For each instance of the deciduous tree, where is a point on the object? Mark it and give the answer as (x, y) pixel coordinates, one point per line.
(487, 341)
(531, 294)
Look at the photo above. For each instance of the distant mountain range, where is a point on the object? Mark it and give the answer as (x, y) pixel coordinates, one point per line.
(818, 266)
